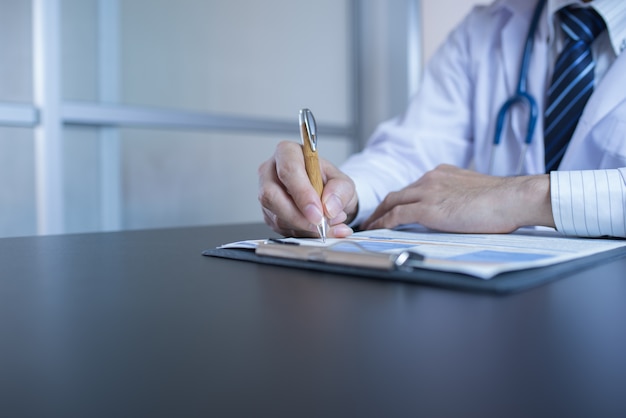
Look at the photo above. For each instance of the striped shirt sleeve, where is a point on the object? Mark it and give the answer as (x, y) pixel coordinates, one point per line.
(589, 203)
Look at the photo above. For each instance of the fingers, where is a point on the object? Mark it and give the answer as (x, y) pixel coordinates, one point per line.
(425, 201)
(289, 202)
(398, 215)
(446, 199)
(291, 174)
(339, 230)
(339, 195)
(396, 209)
(455, 200)
(279, 209)
(284, 229)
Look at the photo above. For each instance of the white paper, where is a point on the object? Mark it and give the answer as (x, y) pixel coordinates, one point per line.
(480, 255)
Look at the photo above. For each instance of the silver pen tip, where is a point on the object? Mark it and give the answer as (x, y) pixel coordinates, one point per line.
(322, 229)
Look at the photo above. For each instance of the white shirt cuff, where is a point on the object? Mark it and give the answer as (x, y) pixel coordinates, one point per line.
(589, 203)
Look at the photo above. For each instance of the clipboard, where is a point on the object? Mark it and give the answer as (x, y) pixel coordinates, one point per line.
(504, 283)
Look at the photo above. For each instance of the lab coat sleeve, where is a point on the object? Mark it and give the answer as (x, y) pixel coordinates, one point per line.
(435, 129)
(589, 203)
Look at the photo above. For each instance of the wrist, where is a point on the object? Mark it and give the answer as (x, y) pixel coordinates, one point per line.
(533, 204)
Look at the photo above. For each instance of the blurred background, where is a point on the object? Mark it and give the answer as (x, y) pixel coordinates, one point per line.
(132, 114)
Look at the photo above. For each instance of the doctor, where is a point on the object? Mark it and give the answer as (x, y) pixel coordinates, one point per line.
(414, 168)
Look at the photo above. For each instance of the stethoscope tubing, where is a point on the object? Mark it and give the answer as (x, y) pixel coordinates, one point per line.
(520, 96)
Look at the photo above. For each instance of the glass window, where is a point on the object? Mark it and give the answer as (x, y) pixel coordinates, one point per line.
(167, 178)
(16, 50)
(192, 178)
(79, 49)
(17, 182)
(237, 57)
(248, 58)
(81, 179)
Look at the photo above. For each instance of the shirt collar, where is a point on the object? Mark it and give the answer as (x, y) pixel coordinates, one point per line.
(612, 11)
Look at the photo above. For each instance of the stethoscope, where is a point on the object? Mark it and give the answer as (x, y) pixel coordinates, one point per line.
(520, 96)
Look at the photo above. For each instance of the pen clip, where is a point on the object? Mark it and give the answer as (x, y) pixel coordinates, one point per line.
(308, 127)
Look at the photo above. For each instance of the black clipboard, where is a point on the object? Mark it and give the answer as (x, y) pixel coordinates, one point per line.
(509, 282)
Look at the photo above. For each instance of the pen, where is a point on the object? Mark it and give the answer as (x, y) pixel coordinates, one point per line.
(308, 133)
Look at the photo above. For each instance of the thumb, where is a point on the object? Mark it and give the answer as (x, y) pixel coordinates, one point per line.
(339, 195)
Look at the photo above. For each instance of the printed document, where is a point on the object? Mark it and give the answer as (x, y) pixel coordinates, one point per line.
(479, 255)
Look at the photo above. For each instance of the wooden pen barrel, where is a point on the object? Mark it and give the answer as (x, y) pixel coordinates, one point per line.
(311, 162)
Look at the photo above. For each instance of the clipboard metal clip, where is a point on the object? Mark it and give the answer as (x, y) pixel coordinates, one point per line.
(408, 260)
(405, 260)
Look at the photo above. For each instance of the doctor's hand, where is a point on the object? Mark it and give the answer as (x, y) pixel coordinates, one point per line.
(290, 204)
(451, 199)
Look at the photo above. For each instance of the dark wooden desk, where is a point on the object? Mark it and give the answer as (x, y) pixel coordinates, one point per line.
(140, 324)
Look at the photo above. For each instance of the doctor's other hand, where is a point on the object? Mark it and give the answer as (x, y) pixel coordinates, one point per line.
(289, 202)
(452, 199)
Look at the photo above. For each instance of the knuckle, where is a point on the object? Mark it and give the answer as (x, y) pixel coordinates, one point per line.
(267, 196)
(286, 170)
(431, 178)
(284, 146)
(390, 199)
(289, 160)
(444, 167)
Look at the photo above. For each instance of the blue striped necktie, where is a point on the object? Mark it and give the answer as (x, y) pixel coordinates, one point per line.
(572, 81)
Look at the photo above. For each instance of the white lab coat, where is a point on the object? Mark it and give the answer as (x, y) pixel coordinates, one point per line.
(452, 117)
